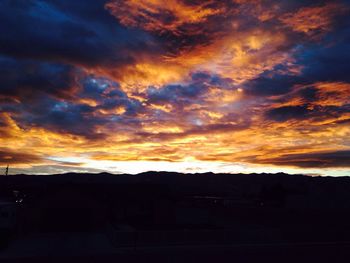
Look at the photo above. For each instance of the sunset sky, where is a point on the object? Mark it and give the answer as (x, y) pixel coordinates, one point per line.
(128, 86)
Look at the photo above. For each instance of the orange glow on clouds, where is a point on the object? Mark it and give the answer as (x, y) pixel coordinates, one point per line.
(312, 19)
(156, 15)
(189, 86)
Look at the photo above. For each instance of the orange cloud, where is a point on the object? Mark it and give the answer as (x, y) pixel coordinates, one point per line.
(313, 20)
(156, 15)
(223, 41)
(187, 95)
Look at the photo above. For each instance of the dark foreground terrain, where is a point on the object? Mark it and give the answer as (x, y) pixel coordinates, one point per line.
(170, 217)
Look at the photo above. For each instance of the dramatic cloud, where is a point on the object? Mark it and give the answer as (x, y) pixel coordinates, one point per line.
(307, 160)
(313, 20)
(175, 16)
(25, 79)
(219, 85)
(9, 157)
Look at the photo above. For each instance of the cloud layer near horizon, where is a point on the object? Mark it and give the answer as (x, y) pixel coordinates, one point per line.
(250, 82)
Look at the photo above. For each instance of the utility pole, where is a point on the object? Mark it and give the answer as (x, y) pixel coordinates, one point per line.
(7, 170)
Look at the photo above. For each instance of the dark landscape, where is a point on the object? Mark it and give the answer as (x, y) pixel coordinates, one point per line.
(174, 131)
(171, 217)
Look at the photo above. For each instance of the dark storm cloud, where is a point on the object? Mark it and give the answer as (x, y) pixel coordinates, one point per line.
(24, 79)
(288, 112)
(312, 160)
(180, 95)
(317, 102)
(303, 112)
(211, 79)
(43, 45)
(327, 63)
(61, 117)
(323, 60)
(319, 62)
(74, 117)
(92, 10)
(108, 95)
(268, 86)
(65, 120)
(46, 30)
(175, 94)
(11, 157)
(309, 94)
